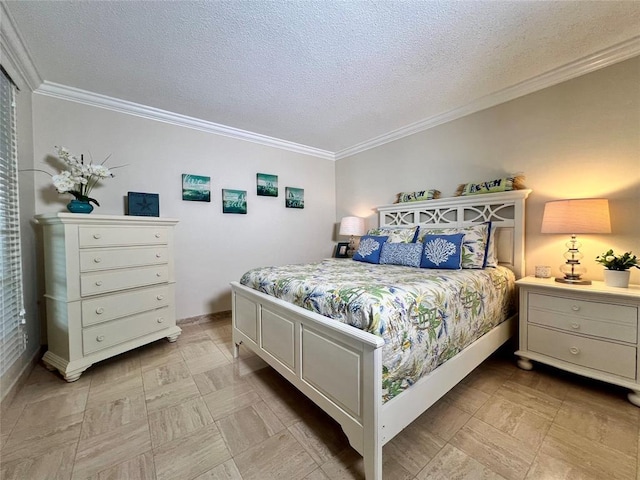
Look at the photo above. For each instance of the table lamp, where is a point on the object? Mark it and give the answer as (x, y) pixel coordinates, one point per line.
(583, 215)
(352, 226)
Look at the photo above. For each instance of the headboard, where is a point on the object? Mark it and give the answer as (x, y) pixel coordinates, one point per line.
(504, 210)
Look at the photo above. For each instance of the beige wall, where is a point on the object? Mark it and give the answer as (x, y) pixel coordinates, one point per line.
(212, 248)
(577, 139)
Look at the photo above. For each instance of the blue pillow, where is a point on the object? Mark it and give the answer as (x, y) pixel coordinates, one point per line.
(442, 251)
(370, 249)
(401, 254)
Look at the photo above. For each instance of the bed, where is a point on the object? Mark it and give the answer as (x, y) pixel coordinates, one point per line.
(340, 367)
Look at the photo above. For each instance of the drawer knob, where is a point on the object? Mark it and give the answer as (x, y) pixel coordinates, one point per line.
(100, 338)
(575, 325)
(99, 283)
(97, 236)
(574, 351)
(99, 310)
(158, 274)
(160, 319)
(157, 235)
(97, 260)
(160, 297)
(158, 255)
(575, 308)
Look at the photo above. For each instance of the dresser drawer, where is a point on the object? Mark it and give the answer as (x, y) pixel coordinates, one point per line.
(98, 236)
(587, 352)
(95, 283)
(109, 307)
(107, 258)
(113, 333)
(616, 322)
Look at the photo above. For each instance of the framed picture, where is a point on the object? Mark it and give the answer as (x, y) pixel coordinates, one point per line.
(341, 250)
(267, 185)
(234, 201)
(196, 188)
(143, 204)
(294, 197)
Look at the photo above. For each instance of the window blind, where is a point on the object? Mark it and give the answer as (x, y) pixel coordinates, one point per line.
(12, 343)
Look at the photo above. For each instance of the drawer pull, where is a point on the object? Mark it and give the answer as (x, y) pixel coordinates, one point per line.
(160, 319)
(575, 308)
(575, 325)
(160, 297)
(99, 310)
(158, 255)
(100, 338)
(97, 260)
(157, 235)
(97, 236)
(574, 350)
(99, 283)
(158, 274)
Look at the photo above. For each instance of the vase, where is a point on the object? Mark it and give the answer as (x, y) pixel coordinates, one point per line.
(617, 278)
(79, 206)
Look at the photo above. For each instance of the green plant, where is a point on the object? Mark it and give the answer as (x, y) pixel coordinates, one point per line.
(611, 261)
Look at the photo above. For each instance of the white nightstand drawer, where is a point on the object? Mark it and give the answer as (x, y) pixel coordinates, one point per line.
(110, 281)
(105, 308)
(106, 258)
(597, 354)
(577, 307)
(113, 236)
(119, 331)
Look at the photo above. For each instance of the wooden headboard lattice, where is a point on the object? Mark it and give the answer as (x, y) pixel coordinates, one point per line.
(504, 210)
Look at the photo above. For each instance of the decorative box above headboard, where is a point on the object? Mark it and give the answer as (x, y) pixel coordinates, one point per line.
(504, 210)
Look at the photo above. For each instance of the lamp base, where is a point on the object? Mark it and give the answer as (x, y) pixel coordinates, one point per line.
(572, 281)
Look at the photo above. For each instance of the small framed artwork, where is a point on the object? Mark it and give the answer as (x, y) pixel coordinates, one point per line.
(196, 188)
(294, 197)
(267, 185)
(143, 204)
(341, 250)
(234, 201)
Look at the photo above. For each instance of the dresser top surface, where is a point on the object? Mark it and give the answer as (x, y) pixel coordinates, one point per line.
(97, 219)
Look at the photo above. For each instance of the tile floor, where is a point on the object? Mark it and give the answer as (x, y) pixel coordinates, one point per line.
(188, 411)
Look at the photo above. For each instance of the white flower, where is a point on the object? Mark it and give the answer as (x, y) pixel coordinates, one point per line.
(100, 171)
(64, 182)
(610, 258)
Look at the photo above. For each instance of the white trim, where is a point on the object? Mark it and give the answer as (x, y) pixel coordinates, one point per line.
(15, 56)
(603, 58)
(103, 101)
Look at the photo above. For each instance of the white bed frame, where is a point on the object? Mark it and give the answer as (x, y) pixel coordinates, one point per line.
(339, 367)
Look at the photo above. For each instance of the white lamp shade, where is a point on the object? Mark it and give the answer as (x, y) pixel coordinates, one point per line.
(583, 215)
(352, 226)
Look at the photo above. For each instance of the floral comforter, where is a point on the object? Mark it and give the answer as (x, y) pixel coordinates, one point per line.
(424, 316)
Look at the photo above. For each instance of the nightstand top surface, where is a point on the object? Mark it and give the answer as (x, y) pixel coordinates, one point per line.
(633, 291)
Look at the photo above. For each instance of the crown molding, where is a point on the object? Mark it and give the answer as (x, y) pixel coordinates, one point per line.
(15, 56)
(603, 58)
(84, 97)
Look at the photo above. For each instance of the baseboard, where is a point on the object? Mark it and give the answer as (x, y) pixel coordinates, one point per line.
(206, 318)
(21, 379)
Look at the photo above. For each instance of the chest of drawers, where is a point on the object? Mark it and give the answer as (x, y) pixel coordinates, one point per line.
(591, 330)
(109, 287)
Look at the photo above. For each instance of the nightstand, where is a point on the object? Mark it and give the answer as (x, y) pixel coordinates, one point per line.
(591, 330)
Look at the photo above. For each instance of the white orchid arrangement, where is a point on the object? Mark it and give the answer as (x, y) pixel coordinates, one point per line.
(611, 261)
(80, 178)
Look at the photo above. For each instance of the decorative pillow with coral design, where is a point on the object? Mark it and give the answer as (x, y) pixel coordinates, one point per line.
(474, 244)
(442, 251)
(407, 254)
(370, 249)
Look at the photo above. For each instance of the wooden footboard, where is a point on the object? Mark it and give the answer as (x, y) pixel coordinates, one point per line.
(340, 368)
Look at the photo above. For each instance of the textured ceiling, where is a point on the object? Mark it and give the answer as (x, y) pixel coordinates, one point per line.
(325, 74)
